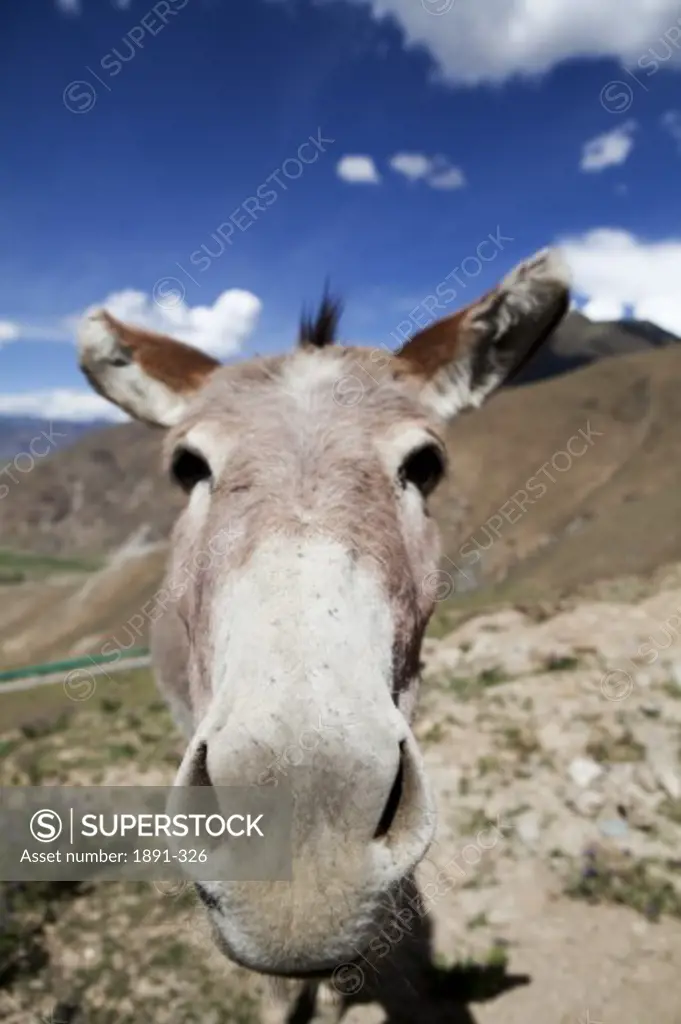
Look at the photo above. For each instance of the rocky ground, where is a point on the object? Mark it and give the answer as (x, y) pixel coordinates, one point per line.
(565, 732)
(553, 889)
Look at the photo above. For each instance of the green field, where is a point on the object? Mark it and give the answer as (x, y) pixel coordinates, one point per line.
(17, 566)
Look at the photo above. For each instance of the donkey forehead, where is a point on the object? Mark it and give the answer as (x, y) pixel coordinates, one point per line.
(350, 390)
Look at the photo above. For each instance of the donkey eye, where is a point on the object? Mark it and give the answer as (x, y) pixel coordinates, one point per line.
(424, 468)
(189, 468)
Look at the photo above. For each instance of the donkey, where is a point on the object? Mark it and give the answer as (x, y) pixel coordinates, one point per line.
(320, 462)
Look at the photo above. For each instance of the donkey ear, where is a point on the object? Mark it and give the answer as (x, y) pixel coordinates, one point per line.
(148, 375)
(460, 360)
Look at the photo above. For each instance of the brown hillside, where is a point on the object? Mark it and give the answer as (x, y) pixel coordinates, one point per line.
(613, 510)
(92, 496)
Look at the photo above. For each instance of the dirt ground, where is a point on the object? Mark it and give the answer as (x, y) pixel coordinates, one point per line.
(553, 891)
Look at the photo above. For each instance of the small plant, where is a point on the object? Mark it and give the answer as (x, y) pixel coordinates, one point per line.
(624, 881)
(671, 809)
(435, 734)
(122, 751)
(40, 727)
(497, 956)
(491, 676)
(521, 739)
(110, 704)
(488, 764)
(557, 663)
(622, 749)
(474, 822)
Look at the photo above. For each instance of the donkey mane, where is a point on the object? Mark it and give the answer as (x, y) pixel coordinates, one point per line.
(321, 331)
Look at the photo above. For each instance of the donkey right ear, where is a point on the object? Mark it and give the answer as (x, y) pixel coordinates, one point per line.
(150, 376)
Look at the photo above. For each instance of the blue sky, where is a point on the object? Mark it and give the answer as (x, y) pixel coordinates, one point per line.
(376, 142)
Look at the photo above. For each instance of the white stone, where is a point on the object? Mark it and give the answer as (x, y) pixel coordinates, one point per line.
(527, 828)
(583, 771)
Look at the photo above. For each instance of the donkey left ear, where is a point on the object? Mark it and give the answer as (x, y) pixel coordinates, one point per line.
(460, 360)
(148, 375)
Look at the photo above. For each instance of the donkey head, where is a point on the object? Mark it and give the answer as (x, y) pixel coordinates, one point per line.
(308, 623)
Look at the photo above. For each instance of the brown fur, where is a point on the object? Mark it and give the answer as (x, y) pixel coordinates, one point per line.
(181, 367)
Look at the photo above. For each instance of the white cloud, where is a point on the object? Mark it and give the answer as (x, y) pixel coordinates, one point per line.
(436, 171)
(359, 170)
(671, 121)
(610, 149)
(411, 165)
(220, 329)
(9, 331)
(613, 270)
(603, 309)
(452, 177)
(473, 42)
(60, 404)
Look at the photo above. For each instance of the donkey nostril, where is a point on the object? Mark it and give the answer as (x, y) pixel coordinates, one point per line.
(393, 801)
(206, 803)
(199, 770)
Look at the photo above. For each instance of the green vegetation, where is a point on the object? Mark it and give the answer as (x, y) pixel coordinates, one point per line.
(521, 739)
(617, 878)
(465, 688)
(18, 566)
(558, 664)
(608, 749)
(102, 952)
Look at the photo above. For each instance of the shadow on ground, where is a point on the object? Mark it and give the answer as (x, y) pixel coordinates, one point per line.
(407, 982)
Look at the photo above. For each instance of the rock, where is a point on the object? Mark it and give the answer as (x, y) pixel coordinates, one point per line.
(527, 828)
(589, 803)
(645, 778)
(614, 828)
(583, 771)
(443, 659)
(556, 738)
(371, 1014)
(669, 781)
(641, 817)
(464, 714)
(570, 834)
(501, 914)
(675, 673)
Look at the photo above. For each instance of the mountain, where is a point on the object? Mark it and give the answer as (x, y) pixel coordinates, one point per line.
(580, 341)
(31, 433)
(91, 495)
(569, 480)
